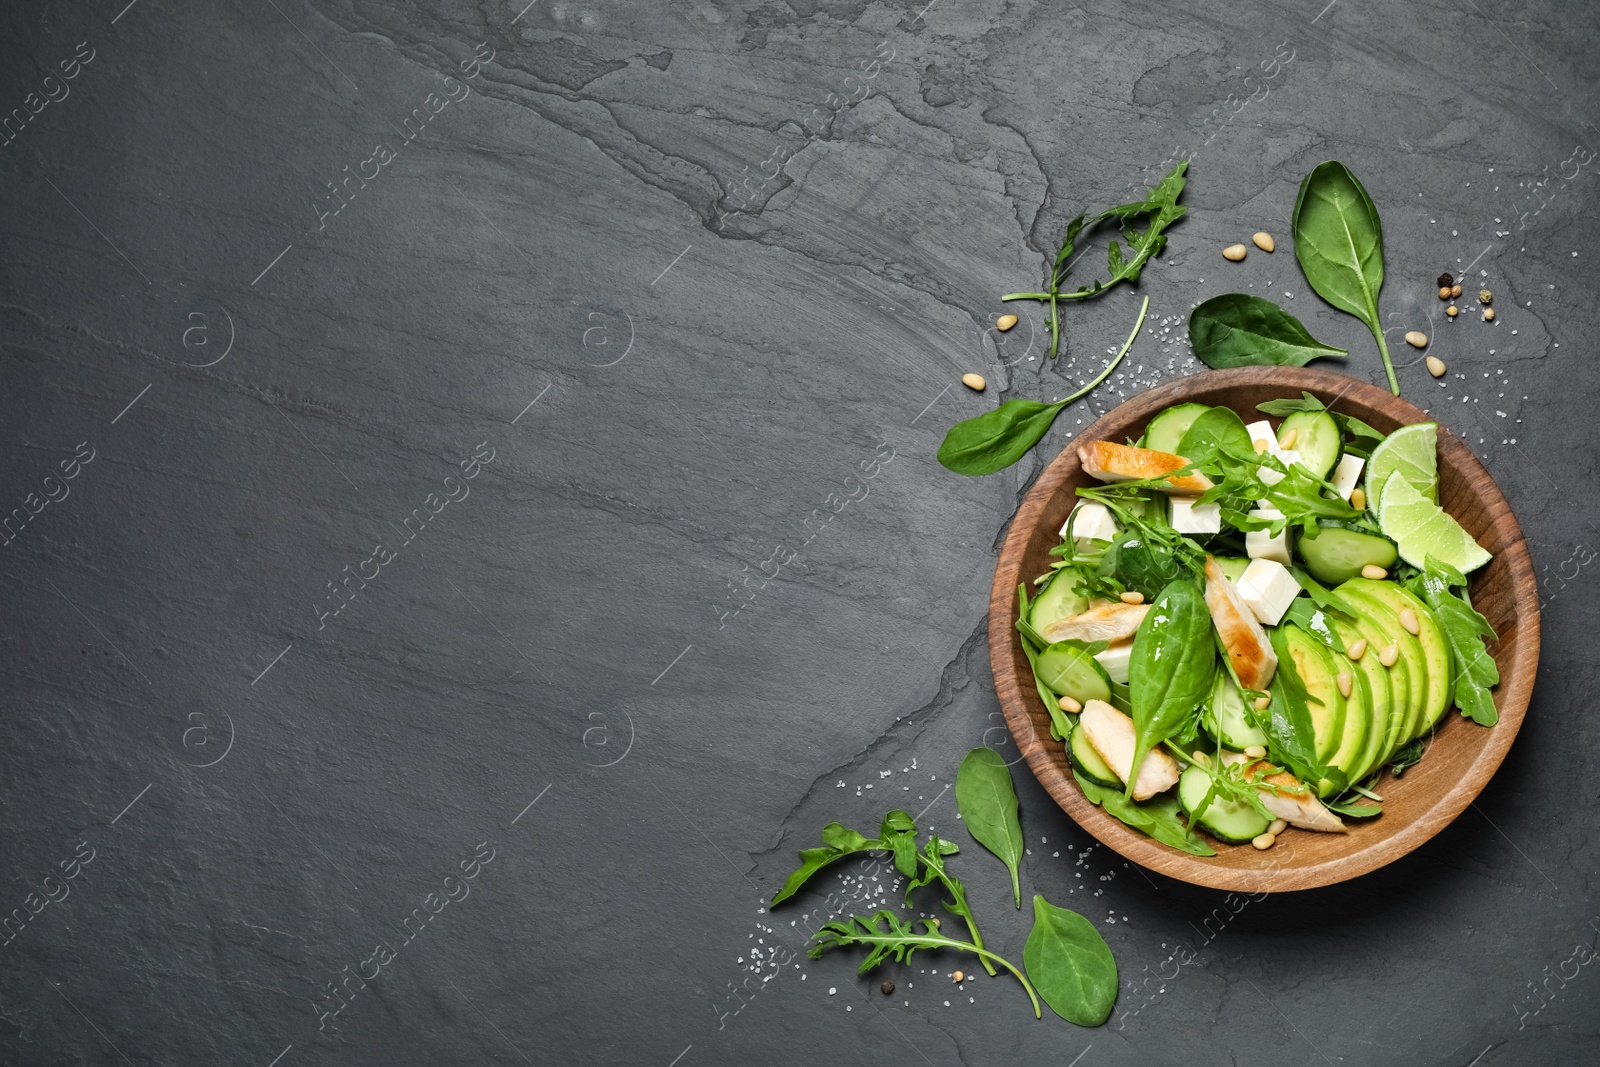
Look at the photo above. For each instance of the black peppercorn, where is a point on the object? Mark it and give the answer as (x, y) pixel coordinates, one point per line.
(1445, 280)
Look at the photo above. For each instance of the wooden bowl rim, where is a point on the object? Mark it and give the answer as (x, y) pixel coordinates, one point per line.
(1008, 662)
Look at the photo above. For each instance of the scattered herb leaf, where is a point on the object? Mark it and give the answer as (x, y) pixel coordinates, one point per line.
(1171, 668)
(1238, 330)
(987, 800)
(1071, 964)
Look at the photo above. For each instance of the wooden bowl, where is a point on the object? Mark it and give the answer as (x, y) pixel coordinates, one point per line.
(1460, 755)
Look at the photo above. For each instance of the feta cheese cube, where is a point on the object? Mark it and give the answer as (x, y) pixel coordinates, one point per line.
(1267, 588)
(1090, 521)
(1347, 475)
(1189, 517)
(1262, 431)
(1115, 660)
(1288, 457)
(1260, 544)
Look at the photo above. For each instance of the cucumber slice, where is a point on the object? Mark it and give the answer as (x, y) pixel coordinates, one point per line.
(1224, 717)
(1337, 555)
(1070, 671)
(1059, 600)
(1169, 426)
(1087, 762)
(1225, 819)
(1317, 439)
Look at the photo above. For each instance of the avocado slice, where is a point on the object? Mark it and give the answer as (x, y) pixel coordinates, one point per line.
(1387, 688)
(1387, 620)
(1435, 651)
(1340, 743)
(1299, 649)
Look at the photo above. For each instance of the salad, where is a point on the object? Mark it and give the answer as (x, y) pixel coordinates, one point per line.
(1247, 624)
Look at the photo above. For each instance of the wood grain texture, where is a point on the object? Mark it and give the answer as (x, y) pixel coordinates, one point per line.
(1461, 756)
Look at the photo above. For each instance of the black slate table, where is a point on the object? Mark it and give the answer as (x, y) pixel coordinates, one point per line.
(473, 515)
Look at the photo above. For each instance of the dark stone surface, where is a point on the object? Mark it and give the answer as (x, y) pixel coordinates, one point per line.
(682, 295)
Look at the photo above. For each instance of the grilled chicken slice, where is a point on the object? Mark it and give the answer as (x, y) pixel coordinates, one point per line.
(1301, 809)
(1248, 648)
(1111, 462)
(1111, 735)
(1110, 620)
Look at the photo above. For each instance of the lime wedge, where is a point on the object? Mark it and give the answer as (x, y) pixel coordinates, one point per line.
(1412, 452)
(1422, 528)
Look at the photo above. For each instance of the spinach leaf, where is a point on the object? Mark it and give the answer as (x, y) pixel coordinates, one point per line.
(1070, 964)
(1352, 810)
(1338, 239)
(1217, 427)
(1304, 613)
(1170, 671)
(1133, 561)
(1157, 817)
(996, 439)
(987, 801)
(1237, 330)
(1160, 204)
(1464, 628)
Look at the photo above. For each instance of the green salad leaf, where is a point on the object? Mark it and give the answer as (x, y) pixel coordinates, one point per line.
(1070, 964)
(1409, 755)
(1361, 438)
(1157, 817)
(1338, 239)
(1287, 723)
(1172, 666)
(1464, 628)
(1238, 330)
(996, 439)
(987, 800)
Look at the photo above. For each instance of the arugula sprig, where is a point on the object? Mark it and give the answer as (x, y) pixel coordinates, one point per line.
(1464, 628)
(897, 836)
(1360, 439)
(1159, 207)
(888, 936)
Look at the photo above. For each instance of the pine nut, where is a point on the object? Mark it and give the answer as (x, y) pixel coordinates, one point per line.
(1264, 841)
(1200, 758)
(1357, 649)
(1261, 445)
(1265, 242)
(1436, 366)
(1234, 253)
(1455, 290)
(974, 382)
(1070, 706)
(1256, 752)
(1344, 683)
(1416, 339)
(1452, 311)
(1358, 499)
(1408, 619)
(1263, 703)
(1488, 314)
(1375, 572)
(1005, 322)
(1278, 826)
(1287, 440)
(1133, 596)
(1444, 292)
(1390, 655)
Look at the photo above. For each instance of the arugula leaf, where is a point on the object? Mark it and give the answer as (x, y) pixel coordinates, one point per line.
(1160, 204)
(987, 801)
(1408, 755)
(933, 870)
(1304, 613)
(1287, 724)
(1322, 596)
(1464, 628)
(1351, 810)
(837, 843)
(996, 439)
(1171, 668)
(1071, 964)
(1358, 432)
(1338, 239)
(886, 936)
(1238, 330)
(1157, 817)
